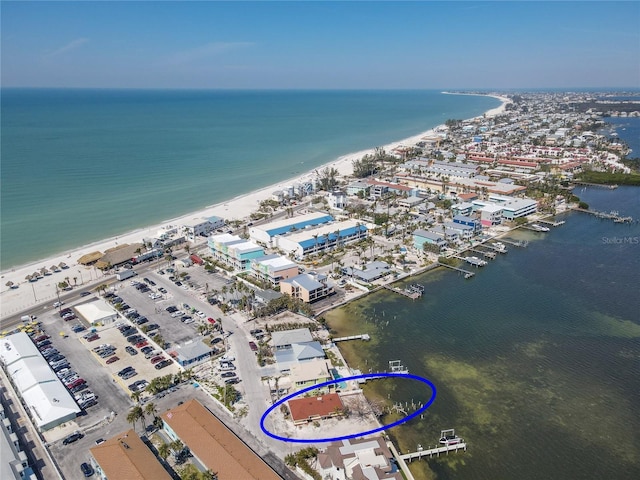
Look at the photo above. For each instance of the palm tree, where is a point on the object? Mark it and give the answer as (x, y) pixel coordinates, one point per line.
(176, 446)
(134, 415)
(135, 396)
(151, 410)
(164, 450)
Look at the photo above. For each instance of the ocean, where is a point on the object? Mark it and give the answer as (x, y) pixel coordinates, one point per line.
(535, 359)
(79, 166)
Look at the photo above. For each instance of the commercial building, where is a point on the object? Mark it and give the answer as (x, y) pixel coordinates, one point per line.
(192, 352)
(273, 269)
(125, 456)
(214, 445)
(97, 312)
(45, 398)
(326, 237)
(234, 251)
(265, 233)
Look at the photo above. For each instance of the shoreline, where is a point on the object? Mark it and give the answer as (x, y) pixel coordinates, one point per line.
(19, 299)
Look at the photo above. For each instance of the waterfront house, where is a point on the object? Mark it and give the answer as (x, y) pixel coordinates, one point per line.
(358, 186)
(370, 272)
(311, 409)
(358, 459)
(307, 287)
(201, 227)
(292, 347)
(420, 237)
(337, 200)
(307, 374)
(468, 221)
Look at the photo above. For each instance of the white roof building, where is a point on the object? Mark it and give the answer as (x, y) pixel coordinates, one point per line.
(45, 397)
(97, 312)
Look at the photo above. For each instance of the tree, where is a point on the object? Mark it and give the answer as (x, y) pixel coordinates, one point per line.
(164, 450)
(134, 415)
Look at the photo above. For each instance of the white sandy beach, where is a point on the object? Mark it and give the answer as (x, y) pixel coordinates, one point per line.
(30, 294)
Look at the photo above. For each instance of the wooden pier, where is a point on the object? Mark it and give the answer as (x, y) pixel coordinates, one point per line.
(430, 452)
(615, 216)
(552, 223)
(363, 336)
(412, 293)
(491, 255)
(515, 243)
(600, 185)
(467, 273)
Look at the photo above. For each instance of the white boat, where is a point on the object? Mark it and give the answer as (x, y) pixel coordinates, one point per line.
(475, 261)
(500, 247)
(539, 228)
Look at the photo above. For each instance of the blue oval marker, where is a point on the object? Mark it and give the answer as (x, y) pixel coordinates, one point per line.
(345, 379)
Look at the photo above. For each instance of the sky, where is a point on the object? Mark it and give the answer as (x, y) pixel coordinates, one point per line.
(320, 45)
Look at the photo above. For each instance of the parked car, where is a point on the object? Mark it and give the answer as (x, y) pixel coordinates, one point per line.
(112, 360)
(228, 374)
(141, 344)
(152, 326)
(75, 436)
(130, 350)
(162, 364)
(157, 359)
(129, 374)
(124, 370)
(93, 337)
(253, 346)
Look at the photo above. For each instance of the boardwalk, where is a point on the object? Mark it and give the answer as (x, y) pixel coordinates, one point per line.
(606, 216)
(467, 273)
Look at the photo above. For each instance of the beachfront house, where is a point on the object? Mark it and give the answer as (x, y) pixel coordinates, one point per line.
(195, 228)
(370, 272)
(295, 346)
(274, 268)
(337, 200)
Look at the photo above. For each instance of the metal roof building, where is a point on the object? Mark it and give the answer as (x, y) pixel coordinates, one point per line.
(265, 233)
(46, 399)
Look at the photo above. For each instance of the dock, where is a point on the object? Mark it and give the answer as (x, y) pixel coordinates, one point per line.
(467, 273)
(430, 452)
(484, 253)
(613, 215)
(363, 336)
(552, 223)
(516, 243)
(412, 291)
(600, 185)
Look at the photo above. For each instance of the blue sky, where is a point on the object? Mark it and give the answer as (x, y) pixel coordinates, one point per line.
(308, 45)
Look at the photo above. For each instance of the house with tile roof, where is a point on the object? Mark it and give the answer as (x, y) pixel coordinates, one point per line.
(311, 409)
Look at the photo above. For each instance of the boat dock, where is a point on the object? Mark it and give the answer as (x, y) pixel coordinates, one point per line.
(430, 452)
(363, 336)
(552, 223)
(467, 273)
(412, 291)
(601, 185)
(484, 253)
(613, 215)
(516, 243)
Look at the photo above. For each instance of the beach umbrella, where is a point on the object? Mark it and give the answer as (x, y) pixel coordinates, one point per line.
(9, 284)
(54, 268)
(62, 265)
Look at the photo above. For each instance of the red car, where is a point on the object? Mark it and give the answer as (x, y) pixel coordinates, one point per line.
(253, 346)
(144, 343)
(157, 359)
(112, 359)
(93, 337)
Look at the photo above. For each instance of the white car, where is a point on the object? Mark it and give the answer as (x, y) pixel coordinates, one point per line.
(201, 314)
(189, 320)
(58, 304)
(177, 313)
(227, 358)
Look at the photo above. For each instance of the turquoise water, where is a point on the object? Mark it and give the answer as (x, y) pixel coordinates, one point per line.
(79, 166)
(535, 359)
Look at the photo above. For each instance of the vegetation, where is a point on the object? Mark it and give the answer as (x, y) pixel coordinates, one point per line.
(583, 205)
(447, 261)
(191, 472)
(285, 303)
(607, 178)
(301, 459)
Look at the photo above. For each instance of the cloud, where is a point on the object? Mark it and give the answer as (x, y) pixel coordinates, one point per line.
(72, 45)
(205, 51)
